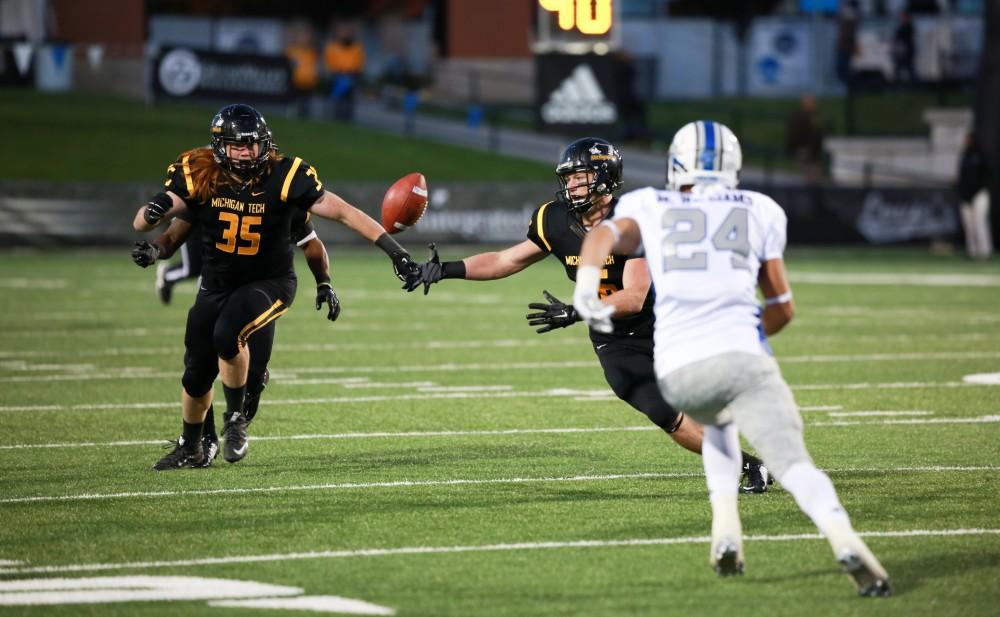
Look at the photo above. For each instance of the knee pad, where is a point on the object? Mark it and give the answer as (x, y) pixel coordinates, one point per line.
(226, 342)
(197, 383)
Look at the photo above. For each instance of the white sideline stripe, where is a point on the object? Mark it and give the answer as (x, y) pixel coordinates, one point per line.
(291, 375)
(850, 414)
(483, 433)
(596, 396)
(10, 562)
(979, 420)
(452, 482)
(475, 433)
(821, 407)
(482, 548)
(953, 279)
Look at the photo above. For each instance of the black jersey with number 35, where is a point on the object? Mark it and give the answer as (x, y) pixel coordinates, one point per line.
(554, 230)
(245, 231)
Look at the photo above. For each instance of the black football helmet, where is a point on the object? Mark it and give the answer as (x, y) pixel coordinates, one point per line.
(589, 154)
(241, 124)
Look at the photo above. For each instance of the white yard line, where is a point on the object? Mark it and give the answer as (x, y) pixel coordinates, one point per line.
(481, 548)
(852, 414)
(337, 486)
(291, 375)
(943, 279)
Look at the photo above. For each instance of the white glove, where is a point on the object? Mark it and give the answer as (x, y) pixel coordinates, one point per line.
(588, 306)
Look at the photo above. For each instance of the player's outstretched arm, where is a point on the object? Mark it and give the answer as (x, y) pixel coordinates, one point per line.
(635, 287)
(333, 207)
(778, 304)
(483, 266)
(160, 207)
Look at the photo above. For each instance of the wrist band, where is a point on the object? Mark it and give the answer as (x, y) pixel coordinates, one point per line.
(785, 297)
(453, 270)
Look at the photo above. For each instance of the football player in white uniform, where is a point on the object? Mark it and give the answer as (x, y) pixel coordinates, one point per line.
(708, 245)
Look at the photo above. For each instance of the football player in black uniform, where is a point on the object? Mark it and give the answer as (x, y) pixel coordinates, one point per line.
(304, 236)
(170, 274)
(589, 172)
(242, 192)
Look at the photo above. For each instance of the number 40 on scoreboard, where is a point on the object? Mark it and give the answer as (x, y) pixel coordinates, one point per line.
(587, 16)
(576, 26)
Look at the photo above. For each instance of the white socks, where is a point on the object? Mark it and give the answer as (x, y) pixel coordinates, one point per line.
(723, 461)
(815, 495)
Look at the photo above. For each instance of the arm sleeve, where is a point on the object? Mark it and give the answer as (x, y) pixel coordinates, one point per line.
(180, 183)
(630, 207)
(536, 228)
(301, 186)
(302, 227)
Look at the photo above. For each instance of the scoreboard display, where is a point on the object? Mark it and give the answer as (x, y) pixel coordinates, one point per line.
(577, 26)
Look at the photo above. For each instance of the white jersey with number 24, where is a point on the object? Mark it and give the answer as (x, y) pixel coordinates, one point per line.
(704, 250)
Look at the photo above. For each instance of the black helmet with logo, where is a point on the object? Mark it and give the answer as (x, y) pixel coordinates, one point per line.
(241, 125)
(590, 154)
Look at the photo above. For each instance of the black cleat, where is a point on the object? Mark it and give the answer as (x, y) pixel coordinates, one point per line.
(756, 478)
(210, 446)
(181, 456)
(234, 431)
(252, 401)
(867, 573)
(727, 558)
(164, 288)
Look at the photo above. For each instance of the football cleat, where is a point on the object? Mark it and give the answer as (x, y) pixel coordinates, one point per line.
(756, 478)
(164, 288)
(864, 569)
(210, 446)
(181, 456)
(252, 400)
(727, 557)
(234, 431)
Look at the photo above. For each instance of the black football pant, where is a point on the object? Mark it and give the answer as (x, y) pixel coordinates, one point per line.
(222, 322)
(628, 368)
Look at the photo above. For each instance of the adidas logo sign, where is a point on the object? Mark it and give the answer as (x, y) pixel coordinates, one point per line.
(579, 100)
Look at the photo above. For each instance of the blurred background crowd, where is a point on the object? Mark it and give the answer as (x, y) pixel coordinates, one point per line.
(871, 121)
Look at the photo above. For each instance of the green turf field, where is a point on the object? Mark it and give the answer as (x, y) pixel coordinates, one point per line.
(80, 137)
(434, 456)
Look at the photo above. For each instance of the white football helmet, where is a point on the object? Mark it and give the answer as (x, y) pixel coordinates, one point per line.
(704, 152)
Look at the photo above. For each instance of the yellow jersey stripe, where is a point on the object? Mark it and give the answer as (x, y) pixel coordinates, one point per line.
(540, 223)
(187, 174)
(288, 178)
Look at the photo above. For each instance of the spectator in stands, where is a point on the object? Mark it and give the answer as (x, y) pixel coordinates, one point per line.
(903, 49)
(973, 190)
(344, 58)
(804, 139)
(847, 42)
(304, 56)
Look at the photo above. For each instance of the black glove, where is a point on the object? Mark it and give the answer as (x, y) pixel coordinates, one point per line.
(431, 271)
(326, 295)
(145, 254)
(406, 270)
(158, 206)
(554, 315)
(402, 265)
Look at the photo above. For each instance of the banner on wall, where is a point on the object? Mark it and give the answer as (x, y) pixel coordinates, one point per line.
(780, 57)
(180, 72)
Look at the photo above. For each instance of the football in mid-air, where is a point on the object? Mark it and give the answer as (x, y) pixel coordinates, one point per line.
(404, 203)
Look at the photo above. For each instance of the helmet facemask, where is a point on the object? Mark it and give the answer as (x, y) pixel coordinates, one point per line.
(241, 125)
(603, 164)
